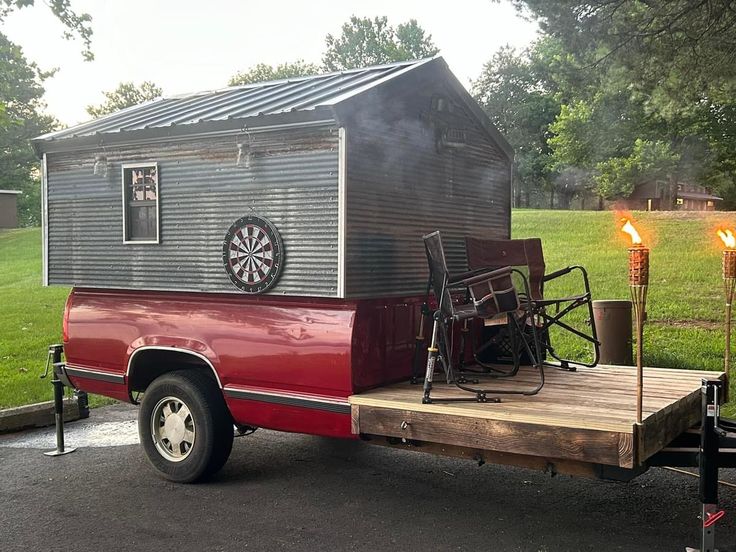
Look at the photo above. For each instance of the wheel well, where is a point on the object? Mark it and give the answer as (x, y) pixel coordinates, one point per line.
(149, 364)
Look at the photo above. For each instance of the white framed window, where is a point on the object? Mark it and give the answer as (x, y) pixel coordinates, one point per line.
(140, 203)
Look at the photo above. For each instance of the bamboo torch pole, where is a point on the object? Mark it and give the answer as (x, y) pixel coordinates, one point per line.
(638, 284)
(729, 286)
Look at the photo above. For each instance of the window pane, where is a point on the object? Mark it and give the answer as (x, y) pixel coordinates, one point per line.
(140, 186)
(150, 182)
(142, 222)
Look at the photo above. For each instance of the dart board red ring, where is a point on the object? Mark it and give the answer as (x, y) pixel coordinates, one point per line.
(252, 253)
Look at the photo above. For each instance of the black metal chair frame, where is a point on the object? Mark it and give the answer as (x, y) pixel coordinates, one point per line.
(544, 319)
(504, 301)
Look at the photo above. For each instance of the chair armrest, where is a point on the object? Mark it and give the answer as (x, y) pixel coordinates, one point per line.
(488, 275)
(459, 278)
(557, 273)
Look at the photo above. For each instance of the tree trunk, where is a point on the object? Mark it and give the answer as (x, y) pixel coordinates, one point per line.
(552, 198)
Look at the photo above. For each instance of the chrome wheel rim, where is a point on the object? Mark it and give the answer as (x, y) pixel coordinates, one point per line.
(173, 429)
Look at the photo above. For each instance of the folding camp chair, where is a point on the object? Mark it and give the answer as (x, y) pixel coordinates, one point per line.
(491, 294)
(527, 254)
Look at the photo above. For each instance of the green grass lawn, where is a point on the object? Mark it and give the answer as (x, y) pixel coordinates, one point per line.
(685, 302)
(30, 318)
(685, 306)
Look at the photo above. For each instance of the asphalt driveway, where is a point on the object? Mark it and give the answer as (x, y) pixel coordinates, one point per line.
(295, 492)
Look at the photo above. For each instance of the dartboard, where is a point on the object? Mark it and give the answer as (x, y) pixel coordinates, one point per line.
(253, 254)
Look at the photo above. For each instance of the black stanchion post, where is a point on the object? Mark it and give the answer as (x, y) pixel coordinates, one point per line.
(55, 359)
(708, 464)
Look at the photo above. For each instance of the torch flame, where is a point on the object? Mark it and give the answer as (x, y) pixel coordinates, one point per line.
(729, 240)
(629, 229)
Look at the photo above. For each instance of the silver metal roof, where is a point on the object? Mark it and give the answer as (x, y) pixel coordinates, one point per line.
(240, 102)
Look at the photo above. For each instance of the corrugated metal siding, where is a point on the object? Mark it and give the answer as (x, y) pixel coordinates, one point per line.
(292, 181)
(238, 102)
(400, 188)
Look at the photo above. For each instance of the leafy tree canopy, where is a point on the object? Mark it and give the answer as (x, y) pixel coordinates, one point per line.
(77, 25)
(648, 161)
(676, 50)
(127, 94)
(264, 72)
(363, 42)
(629, 90)
(366, 41)
(21, 118)
(514, 90)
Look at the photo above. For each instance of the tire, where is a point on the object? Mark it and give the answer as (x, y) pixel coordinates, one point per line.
(185, 427)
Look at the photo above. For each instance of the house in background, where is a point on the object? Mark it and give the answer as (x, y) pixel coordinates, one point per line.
(695, 198)
(665, 196)
(9, 208)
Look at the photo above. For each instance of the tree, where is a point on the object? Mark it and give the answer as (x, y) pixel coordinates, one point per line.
(21, 118)
(516, 97)
(76, 24)
(676, 49)
(648, 161)
(264, 72)
(366, 41)
(127, 94)
(655, 81)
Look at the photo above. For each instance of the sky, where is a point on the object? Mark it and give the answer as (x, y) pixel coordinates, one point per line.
(188, 46)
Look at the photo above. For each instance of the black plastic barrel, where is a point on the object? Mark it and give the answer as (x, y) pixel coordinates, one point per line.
(613, 325)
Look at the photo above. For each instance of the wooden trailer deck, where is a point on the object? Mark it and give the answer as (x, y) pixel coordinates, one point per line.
(578, 419)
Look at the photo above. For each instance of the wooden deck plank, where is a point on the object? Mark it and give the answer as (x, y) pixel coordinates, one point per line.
(585, 416)
(605, 410)
(595, 446)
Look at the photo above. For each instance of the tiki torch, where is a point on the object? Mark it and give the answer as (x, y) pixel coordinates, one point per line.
(729, 285)
(638, 284)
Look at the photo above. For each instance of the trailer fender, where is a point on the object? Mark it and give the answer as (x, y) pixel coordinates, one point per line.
(147, 362)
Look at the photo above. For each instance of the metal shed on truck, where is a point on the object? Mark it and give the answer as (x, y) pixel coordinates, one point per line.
(319, 186)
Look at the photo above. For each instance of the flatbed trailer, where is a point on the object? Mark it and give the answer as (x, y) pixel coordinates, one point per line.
(579, 422)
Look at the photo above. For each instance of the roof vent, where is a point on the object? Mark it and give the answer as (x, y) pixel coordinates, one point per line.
(453, 138)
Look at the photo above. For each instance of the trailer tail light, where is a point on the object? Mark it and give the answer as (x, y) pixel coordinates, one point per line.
(65, 320)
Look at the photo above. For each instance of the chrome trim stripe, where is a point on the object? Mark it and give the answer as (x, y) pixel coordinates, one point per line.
(302, 401)
(78, 371)
(175, 349)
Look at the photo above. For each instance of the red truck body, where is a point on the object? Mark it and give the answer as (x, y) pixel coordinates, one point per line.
(282, 363)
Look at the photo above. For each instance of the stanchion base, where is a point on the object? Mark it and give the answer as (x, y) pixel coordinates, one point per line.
(59, 452)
